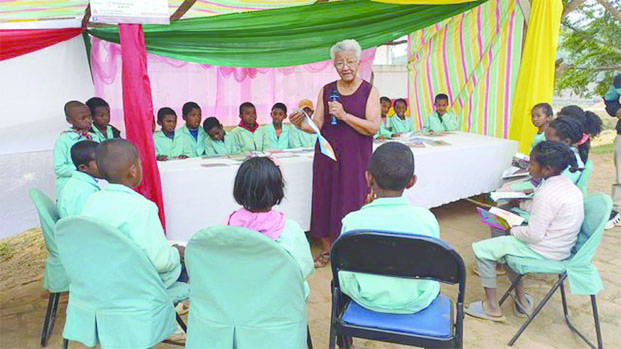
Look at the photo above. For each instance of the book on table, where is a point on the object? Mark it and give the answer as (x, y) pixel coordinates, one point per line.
(498, 218)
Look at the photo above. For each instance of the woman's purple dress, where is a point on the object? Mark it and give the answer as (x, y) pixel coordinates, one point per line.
(339, 187)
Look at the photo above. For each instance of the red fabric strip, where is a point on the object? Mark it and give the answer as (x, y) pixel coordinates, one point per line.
(17, 42)
(138, 110)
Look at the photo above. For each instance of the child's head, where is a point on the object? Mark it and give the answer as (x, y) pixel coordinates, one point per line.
(83, 157)
(551, 158)
(78, 115)
(590, 122)
(279, 113)
(248, 114)
(192, 115)
(400, 107)
(259, 185)
(386, 103)
(119, 162)
(214, 128)
(441, 102)
(100, 111)
(568, 130)
(391, 168)
(307, 106)
(167, 119)
(541, 115)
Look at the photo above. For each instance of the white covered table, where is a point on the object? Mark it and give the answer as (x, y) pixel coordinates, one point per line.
(198, 193)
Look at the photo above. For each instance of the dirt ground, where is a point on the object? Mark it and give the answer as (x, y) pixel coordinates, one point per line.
(23, 301)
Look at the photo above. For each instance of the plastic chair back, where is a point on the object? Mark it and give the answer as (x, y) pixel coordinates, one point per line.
(401, 255)
(597, 208)
(583, 181)
(54, 278)
(246, 292)
(116, 296)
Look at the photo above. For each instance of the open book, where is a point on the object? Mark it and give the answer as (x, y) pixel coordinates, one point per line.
(510, 195)
(515, 172)
(520, 160)
(499, 218)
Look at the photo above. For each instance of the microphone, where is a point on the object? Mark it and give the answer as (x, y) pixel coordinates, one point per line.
(334, 97)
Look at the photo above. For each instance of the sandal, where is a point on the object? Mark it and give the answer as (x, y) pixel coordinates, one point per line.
(322, 260)
(521, 310)
(477, 310)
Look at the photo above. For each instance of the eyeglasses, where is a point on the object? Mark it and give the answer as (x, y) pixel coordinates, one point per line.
(341, 64)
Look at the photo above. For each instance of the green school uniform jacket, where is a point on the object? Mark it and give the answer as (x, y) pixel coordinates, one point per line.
(401, 126)
(539, 137)
(75, 193)
(136, 217)
(225, 147)
(448, 122)
(111, 132)
(251, 141)
(197, 145)
(383, 293)
(277, 143)
(173, 148)
(294, 241)
(384, 130)
(301, 139)
(63, 165)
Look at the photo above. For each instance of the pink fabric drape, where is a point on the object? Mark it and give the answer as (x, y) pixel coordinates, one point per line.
(218, 90)
(138, 110)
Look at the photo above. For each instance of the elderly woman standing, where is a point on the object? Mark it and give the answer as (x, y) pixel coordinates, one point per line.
(339, 187)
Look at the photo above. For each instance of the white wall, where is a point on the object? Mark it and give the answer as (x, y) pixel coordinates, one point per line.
(391, 80)
(33, 91)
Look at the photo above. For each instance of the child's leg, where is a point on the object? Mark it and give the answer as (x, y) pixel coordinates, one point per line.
(487, 270)
(519, 287)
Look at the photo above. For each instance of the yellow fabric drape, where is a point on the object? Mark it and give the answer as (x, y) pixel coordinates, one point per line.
(535, 82)
(424, 2)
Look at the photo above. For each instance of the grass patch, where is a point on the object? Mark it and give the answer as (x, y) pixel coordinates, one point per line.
(603, 149)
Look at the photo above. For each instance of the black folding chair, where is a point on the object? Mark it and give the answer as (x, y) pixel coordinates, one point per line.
(398, 255)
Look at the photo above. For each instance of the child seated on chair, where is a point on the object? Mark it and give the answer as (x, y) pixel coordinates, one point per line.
(556, 215)
(83, 182)
(168, 143)
(401, 123)
(441, 120)
(135, 216)
(248, 135)
(218, 143)
(191, 133)
(79, 116)
(258, 187)
(391, 172)
(100, 111)
(278, 134)
(299, 138)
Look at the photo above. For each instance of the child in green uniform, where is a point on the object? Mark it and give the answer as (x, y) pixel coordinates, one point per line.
(124, 209)
(400, 123)
(384, 131)
(218, 143)
(556, 215)
(192, 133)
(168, 143)
(441, 120)
(78, 115)
(83, 183)
(391, 172)
(541, 115)
(278, 134)
(299, 138)
(248, 135)
(100, 111)
(258, 187)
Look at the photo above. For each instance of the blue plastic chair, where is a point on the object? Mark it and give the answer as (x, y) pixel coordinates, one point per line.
(55, 279)
(578, 268)
(116, 297)
(398, 255)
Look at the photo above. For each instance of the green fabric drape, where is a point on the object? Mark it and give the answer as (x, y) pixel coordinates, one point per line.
(286, 37)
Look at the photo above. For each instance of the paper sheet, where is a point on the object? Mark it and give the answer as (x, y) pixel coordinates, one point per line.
(324, 145)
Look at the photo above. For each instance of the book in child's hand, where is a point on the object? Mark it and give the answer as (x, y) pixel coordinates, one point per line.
(510, 195)
(514, 172)
(499, 218)
(520, 160)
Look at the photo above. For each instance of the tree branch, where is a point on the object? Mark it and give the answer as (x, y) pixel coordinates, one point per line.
(183, 8)
(610, 8)
(574, 4)
(590, 37)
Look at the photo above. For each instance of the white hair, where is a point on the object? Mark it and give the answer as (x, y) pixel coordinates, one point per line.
(346, 45)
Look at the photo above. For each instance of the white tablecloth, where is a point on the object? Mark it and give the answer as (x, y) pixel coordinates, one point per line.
(196, 196)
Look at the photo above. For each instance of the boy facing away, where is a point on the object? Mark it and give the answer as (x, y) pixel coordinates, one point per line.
(391, 171)
(441, 120)
(79, 117)
(121, 207)
(82, 183)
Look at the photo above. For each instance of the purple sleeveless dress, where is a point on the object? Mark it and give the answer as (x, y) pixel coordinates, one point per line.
(339, 187)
